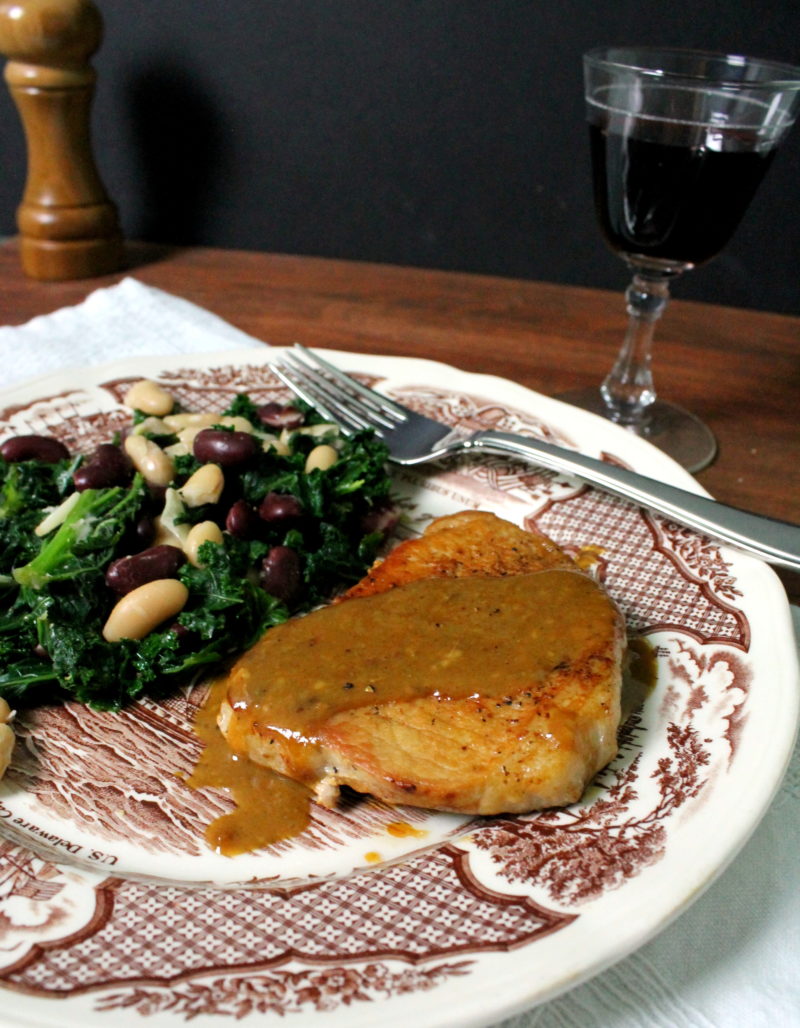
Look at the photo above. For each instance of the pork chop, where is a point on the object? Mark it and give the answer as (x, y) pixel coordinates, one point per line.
(476, 669)
(471, 542)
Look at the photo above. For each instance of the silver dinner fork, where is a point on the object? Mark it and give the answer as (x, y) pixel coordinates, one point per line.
(413, 438)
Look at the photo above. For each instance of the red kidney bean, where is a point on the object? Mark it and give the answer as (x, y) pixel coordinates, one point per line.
(278, 508)
(128, 573)
(228, 449)
(33, 447)
(382, 518)
(108, 466)
(185, 636)
(280, 415)
(144, 531)
(242, 521)
(281, 573)
(157, 494)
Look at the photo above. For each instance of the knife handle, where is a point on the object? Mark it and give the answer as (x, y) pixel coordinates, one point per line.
(777, 542)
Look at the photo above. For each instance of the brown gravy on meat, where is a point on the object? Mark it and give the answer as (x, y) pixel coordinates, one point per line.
(435, 636)
(451, 637)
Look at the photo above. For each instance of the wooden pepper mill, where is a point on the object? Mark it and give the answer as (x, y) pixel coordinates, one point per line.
(68, 226)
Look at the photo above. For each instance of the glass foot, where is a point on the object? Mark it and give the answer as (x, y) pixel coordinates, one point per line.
(672, 429)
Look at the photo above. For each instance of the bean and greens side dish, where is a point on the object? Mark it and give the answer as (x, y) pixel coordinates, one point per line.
(141, 565)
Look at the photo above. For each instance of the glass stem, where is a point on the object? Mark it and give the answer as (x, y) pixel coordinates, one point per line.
(628, 390)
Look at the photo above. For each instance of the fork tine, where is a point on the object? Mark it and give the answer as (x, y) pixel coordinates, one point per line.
(345, 405)
(373, 399)
(308, 390)
(411, 438)
(364, 414)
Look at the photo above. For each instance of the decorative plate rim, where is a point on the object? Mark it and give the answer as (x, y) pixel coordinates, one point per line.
(771, 625)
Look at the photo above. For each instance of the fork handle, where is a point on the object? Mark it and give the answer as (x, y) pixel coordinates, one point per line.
(777, 542)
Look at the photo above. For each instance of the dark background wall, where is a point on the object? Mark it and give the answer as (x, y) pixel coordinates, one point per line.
(441, 133)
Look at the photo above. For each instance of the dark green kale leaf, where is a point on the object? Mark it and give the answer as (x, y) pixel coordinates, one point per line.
(243, 407)
(86, 539)
(185, 466)
(22, 670)
(52, 630)
(226, 602)
(338, 557)
(54, 600)
(27, 489)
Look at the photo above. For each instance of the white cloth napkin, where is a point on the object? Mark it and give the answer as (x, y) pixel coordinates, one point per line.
(731, 960)
(126, 320)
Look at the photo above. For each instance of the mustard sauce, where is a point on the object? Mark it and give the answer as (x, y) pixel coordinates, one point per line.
(269, 807)
(447, 637)
(403, 830)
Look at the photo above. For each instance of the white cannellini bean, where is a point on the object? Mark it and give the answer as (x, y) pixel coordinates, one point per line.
(165, 535)
(150, 460)
(151, 426)
(204, 532)
(315, 431)
(142, 609)
(322, 457)
(204, 486)
(236, 422)
(326, 428)
(276, 443)
(178, 449)
(170, 531)
(149, 397)
(188, 419)
(186, 436)
(6, 747)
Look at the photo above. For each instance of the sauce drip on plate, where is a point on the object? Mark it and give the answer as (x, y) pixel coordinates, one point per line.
(268, 807)
(450, 638)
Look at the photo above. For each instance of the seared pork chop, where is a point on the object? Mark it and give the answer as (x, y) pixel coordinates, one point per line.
(471, 542)
(476, 669)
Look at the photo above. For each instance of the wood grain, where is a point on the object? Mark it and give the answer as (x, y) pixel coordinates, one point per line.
(738, 370)
(68, 226)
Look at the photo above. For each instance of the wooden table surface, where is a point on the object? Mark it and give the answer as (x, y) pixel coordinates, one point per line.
(738, 370)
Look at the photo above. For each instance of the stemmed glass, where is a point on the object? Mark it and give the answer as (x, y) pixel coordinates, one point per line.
(680, 141)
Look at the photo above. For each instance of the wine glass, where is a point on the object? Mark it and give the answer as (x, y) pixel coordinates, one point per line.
(680, 141)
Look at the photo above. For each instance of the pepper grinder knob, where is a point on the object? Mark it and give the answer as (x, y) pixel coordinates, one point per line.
(68, 226)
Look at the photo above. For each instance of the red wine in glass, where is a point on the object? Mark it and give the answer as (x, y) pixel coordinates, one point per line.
(680, 141)
(671, 201)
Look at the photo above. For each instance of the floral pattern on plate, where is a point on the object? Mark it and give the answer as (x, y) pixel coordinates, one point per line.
(111, 902)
